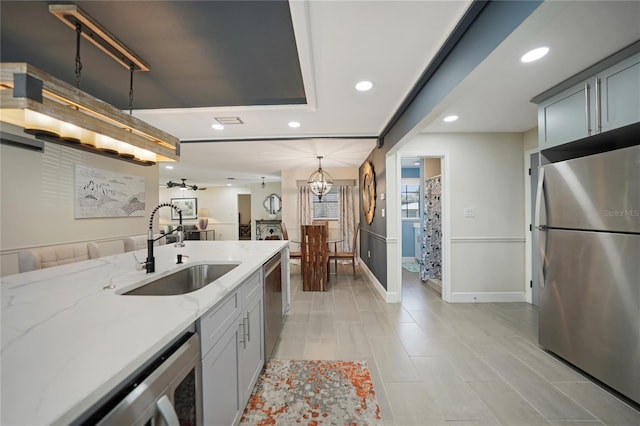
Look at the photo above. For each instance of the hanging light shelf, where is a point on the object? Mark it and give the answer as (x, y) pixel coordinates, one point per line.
(320, 182)
(55, 111)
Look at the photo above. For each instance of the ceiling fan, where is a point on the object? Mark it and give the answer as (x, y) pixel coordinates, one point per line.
(183, 185)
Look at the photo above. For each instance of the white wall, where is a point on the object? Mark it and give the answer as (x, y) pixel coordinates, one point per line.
(222, 204)
(220, 201)
(431, 167)
(487, 251)
(37, 207)
(530, 139)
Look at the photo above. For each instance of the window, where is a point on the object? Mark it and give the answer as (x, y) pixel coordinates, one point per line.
(327, 209)
(410, 199)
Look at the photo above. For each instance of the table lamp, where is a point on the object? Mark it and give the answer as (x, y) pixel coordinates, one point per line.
(203, 220)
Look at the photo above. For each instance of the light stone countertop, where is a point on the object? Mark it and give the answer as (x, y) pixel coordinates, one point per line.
(66, 341)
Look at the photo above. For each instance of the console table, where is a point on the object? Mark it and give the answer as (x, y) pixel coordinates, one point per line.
(268, 229)
(200, 234)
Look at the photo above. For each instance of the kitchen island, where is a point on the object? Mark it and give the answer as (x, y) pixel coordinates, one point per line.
(69, 337)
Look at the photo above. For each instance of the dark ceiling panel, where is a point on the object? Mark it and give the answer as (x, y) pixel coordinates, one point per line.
(201, 53)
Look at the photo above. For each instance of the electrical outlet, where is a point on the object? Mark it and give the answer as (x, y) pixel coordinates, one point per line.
(369, 254)
(469, 212)
(382, 196)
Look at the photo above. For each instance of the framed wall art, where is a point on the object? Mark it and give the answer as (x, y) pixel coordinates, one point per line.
(102, 193)
(368, 191)
(189, 207)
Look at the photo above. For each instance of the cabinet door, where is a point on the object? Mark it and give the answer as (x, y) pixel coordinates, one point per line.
(620, 94)
(253, 352)
(221, 389)
(566, 116)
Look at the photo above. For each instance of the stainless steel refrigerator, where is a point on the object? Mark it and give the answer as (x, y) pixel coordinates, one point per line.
(588, 224)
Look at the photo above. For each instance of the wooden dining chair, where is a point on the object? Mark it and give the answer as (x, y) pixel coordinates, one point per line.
(347, 255)
(285, 236)
(315, 258)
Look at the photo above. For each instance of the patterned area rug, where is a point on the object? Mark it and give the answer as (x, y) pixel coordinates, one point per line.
(313, 393)
(411, 265)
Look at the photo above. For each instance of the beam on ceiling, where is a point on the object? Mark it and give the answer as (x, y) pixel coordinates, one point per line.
(483, 27)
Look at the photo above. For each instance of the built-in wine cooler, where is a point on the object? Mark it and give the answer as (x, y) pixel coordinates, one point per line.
(166, 393)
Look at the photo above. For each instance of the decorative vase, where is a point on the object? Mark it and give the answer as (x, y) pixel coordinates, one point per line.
(203, 222)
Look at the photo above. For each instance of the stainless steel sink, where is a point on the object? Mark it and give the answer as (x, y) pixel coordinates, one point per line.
(184, 281)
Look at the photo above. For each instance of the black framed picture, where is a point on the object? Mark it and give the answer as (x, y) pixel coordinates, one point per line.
(189, 207)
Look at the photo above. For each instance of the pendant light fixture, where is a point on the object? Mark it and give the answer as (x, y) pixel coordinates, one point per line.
(320, 182)
(55, 111)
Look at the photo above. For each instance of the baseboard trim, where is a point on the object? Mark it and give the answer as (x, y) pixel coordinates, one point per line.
(488, 297)
(389, 297)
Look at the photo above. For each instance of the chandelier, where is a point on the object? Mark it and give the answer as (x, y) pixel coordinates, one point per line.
(320, 182)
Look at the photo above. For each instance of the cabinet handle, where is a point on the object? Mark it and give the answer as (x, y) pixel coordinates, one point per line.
(598, 109)
(587, 107)
(243, 340)
(246, 320)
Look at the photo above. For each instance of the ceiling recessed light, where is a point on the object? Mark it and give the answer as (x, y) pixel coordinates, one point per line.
(294, 124)
(363, 86)
(450, 118)
(217, 126)
(535, 54)
(168, 167)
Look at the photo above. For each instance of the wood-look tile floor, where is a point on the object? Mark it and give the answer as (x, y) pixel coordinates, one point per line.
(435, 363)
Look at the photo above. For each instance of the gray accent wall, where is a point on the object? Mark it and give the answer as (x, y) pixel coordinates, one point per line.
(373, 243)
(472, 41)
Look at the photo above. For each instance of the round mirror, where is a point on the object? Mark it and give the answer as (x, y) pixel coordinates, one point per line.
(273, 203)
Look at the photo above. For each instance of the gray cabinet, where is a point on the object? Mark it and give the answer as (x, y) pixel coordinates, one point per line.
(619, 95)
(253, 342)
(232, 335)
(605, 101)
(222, 402)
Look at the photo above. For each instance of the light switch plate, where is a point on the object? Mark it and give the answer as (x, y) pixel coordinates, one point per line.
(382, 212)
(382, 195)
(469, 212)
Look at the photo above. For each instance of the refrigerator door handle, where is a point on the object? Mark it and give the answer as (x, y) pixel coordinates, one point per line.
(541, 208)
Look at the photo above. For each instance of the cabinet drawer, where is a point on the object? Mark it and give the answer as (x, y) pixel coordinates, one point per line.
(252, 287)
(214, 323)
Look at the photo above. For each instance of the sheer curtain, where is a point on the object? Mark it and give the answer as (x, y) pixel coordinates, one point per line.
(346, 216)
(306, 209)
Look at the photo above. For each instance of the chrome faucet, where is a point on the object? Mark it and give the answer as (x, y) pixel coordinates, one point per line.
(150, 263)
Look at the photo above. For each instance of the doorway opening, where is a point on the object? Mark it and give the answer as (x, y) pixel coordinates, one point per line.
(244, 216)
(421, 213)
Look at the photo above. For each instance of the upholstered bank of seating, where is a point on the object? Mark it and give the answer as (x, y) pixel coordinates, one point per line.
(46, 257)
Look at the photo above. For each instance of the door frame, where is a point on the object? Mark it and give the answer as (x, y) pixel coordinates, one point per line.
(394, 281)
(528, 276)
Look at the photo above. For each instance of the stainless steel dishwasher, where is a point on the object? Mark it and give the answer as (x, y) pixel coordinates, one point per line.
(272, 303)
